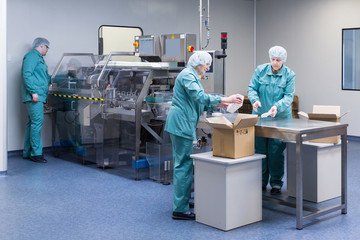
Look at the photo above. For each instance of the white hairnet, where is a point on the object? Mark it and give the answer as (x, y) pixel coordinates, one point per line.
(38, 42)
(278, 52)
(200, 58)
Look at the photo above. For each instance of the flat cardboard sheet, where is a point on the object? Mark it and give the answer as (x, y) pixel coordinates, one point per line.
(219, 122)
(324, 113)
(326, 109)
(245, 120)
(241, 121)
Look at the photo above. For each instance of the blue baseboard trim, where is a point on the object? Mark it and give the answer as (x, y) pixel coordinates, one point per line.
(15, 153)
(3, 172)
(20, 152)
(353, 138)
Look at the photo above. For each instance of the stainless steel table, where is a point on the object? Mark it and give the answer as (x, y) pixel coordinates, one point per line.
(301, 130)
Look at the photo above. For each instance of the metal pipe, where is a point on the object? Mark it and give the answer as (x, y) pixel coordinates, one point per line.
(200, 29)
(208, 24)
(344, 171)
(208, 10)
(254, 34)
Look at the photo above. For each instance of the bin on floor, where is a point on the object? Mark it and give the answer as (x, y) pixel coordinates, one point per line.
(321, 171)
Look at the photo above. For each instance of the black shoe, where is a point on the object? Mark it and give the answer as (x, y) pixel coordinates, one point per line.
(183, 216)
(191, 205)
(275, 191)
(38, 159)
(26, 157)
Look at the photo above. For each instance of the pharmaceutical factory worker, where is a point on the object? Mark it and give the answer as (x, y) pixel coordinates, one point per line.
(189, 101)
(35, 88)
(271, 90)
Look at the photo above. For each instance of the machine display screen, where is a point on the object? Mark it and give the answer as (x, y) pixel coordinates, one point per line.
(146, 46)
(172, 47)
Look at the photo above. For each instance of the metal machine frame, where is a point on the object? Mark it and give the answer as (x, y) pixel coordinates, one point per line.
(97, 89)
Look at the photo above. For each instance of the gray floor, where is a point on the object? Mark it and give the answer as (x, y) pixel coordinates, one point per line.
(67, 200)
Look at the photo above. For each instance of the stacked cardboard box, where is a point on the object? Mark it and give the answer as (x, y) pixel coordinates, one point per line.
(325, 113)
(295, 107)
(247, 107)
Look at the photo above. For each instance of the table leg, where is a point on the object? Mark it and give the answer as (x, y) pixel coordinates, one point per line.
(344, 172)
(299, 183)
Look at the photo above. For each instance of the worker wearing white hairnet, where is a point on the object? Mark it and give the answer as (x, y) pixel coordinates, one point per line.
(200, 58)
(35, 88)
(189, 101)
(271, 90)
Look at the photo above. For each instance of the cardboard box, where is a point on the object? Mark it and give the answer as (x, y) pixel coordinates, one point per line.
(325, 113)
(233, 140)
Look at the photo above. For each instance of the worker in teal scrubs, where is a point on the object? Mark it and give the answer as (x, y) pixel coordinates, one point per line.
(271, 90)
(189, 101)
(35, 87)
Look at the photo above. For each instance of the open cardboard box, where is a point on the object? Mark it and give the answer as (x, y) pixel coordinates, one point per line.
(233, 140)
(325, 113)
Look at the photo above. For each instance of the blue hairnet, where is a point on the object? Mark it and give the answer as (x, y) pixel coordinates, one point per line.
(200, 58)
(278, 52)
(38, 42)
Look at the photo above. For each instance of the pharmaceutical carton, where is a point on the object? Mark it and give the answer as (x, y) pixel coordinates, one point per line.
(233, 140)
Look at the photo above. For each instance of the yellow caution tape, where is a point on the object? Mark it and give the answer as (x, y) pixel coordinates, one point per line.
(77, 97)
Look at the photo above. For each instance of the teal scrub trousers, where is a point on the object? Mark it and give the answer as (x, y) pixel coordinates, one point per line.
(273, 164)
(33, 143)
(183, 172)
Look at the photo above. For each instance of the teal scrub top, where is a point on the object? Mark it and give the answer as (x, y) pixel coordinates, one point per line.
(272, 89)
(35, 77)
(188, 102)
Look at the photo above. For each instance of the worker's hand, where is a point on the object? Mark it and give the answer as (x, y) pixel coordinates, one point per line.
(35, 98)
(256, 105)
(235, 98)
(273, 111)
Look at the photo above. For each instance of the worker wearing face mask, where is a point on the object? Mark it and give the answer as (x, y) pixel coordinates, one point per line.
(271, 92)
(189, 101)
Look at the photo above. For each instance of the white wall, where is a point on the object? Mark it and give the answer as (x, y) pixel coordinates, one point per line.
(311, 32)
(71, 26)
(3, 96)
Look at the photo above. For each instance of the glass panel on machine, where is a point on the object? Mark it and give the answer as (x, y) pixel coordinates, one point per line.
(172, 47)
(98, 103)
(146, 46)
(75, 72)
